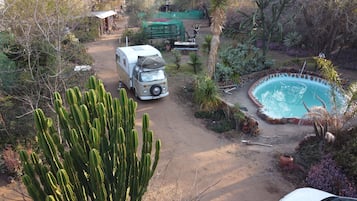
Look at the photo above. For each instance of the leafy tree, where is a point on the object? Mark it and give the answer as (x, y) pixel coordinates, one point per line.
(218, 18)
(265, 21)
(93, 153)
(328, 25)
(40, 30)
(42, 55)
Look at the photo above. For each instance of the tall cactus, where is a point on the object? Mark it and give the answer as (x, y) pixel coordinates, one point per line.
(94, 155)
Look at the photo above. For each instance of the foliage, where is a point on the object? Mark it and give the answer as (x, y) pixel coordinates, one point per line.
(177, 58)
(231, 28)
(76, 53)
(328, 71)
(328, 124)
(205, 93)
(216, 120)
(223, 73)
(292, 39)
(214, 115)
(345, 153)
(134, 37)
(265, 21)
(11, 161)
(243, 59)
(87, 29)
(328, 25)
(327, 176)
(238, 114)
(340, 114)
(38, 50)
(8, 73)
(195, 62)
(92, 154)
(206, 45)
(221, 126)
(309, 152)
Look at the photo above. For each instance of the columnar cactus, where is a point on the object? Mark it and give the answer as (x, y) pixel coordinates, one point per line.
(94, 153)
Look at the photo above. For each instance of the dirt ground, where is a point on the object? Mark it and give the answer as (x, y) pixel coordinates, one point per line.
(196, 163)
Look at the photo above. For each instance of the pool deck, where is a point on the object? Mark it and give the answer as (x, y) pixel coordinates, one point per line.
(283, 137)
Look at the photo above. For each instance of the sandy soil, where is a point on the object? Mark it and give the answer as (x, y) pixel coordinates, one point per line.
(195, 163)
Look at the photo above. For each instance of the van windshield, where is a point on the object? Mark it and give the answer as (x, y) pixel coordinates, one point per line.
(150, 76)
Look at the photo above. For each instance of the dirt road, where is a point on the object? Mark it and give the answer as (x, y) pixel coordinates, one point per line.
(195, 163)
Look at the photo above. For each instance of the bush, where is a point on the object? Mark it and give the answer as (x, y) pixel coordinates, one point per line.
(205, 93)
(223, 73)
(216, 120)
(177, 55)
(195, 62)
(134, 37)
(346, 153)
(327, 176)
(10, 162)
(292, 39)
(87, 29)
(243, 59)
(212, 115)
(221, 126)
(76, 53)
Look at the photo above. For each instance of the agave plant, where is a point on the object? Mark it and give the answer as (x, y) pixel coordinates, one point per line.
(328, 123)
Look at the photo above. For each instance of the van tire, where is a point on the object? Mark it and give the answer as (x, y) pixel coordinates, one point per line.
(155, 90)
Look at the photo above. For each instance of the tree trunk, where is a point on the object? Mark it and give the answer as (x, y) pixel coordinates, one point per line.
(212, 57)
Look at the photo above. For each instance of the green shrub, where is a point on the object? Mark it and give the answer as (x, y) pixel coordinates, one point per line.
(292, 39)
(76, 53)
(195, 62)
(223, 73)
(205, 93)
(8, 73)
(346, 153)
(216, 120)
(243, 59)
(134, 37)
(215, 115)
(221, 126)
(177, 58)
(206, 46)
(87, 29)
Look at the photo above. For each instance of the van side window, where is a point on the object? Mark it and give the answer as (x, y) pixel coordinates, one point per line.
(124, 61)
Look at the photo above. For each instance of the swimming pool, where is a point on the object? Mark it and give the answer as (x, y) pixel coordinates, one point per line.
(281, 95)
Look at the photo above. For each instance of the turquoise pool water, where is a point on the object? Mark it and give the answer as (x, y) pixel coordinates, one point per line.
(282, 95)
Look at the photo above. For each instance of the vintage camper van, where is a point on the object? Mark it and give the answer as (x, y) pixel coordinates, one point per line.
(142, 69)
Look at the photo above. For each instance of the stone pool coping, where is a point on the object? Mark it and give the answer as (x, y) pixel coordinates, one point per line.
(287, 73)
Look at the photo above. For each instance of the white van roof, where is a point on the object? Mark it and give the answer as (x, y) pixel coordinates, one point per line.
(132, 52)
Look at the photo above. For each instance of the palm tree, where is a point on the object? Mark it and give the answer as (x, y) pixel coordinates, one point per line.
(218, 18)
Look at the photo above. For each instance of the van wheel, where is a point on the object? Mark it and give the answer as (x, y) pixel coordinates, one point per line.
(155, 90)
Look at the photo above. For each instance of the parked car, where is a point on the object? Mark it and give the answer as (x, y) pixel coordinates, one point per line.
(311, 194)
